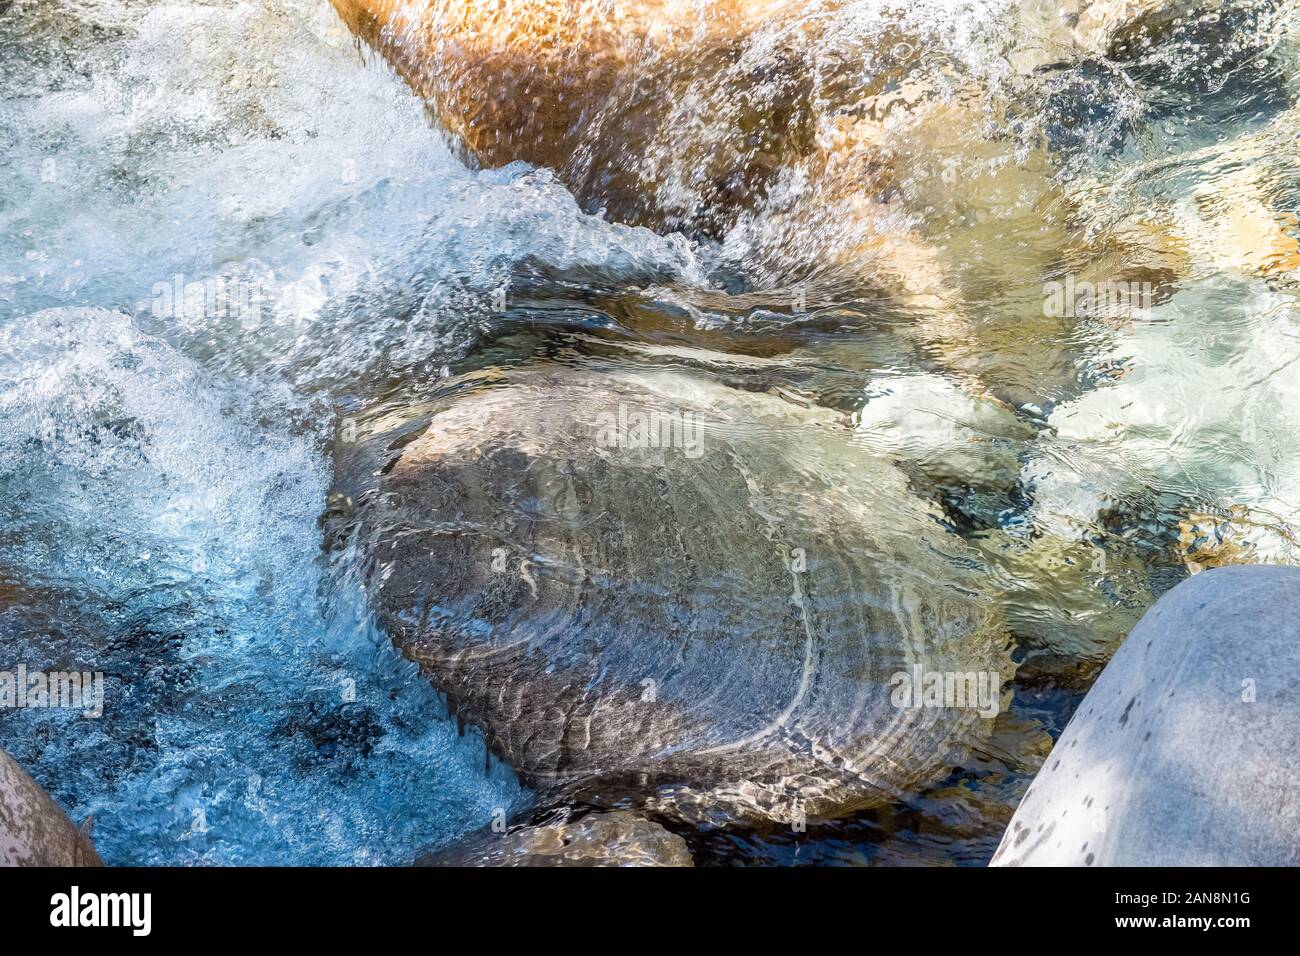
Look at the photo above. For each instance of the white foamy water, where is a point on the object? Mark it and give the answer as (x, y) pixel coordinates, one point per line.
(163, 471)
(248, 141)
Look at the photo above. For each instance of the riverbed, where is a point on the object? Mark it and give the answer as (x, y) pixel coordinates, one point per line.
(236, 248)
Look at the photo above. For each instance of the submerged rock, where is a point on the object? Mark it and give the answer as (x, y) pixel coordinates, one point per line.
(1182, 753)
(712, 623)
(597, 839)
(856, 151)
(1122, 30)
(947, 432)
(1177, 428)
(821, 142)
(33, 830)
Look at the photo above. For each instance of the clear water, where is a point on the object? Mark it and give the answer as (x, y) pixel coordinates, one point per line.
(162, 476)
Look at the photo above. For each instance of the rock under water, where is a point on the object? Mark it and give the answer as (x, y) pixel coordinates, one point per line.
(597, 839)
(1182, 752)
(654, 585)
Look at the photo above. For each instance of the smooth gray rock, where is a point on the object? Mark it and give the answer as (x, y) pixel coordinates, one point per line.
(1185, 750)
(708, 631)
(33, 830)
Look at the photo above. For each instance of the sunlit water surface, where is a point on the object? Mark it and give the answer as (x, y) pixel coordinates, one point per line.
(163, 473)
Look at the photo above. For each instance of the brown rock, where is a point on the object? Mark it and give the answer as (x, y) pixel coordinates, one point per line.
(711, 629)
(597, 839)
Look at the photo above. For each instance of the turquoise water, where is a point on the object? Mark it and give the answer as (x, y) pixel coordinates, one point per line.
(161, 492)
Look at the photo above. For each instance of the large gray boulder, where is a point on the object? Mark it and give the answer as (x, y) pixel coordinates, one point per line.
(33, 830)
(707, 626)
(1184, 751)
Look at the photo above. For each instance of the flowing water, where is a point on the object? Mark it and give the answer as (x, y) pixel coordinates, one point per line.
(234, 244)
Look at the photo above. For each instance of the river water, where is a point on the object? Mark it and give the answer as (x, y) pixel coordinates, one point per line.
(165, 465)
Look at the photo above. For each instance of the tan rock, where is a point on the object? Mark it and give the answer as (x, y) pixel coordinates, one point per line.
(597, 839)
(33, 830)
(1238, 535)
(1239, 229)
(695, 116)
(595, 90)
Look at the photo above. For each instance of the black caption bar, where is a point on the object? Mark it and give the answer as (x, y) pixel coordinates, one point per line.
(135, 906)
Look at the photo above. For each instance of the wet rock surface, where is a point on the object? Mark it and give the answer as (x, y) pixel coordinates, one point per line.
(597, 839)
(709, 624)
(33, 830)
(1181, 753)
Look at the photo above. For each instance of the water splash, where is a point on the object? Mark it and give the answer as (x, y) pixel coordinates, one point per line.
(163, 473)
(253, 714)
(249, 144)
